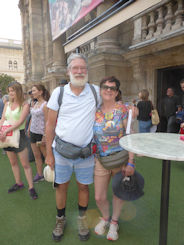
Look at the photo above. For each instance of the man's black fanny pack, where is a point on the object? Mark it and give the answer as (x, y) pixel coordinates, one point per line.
(71, 151)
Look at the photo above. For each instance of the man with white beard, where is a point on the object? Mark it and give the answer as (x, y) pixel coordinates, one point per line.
(74, 129)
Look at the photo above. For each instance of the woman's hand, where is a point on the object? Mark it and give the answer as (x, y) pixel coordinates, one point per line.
(135, 111)
(128, 170)
(2, 135)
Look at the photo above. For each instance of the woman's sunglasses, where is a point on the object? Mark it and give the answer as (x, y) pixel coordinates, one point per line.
(112, 88)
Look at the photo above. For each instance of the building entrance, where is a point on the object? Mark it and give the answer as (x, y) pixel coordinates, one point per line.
(167, 77)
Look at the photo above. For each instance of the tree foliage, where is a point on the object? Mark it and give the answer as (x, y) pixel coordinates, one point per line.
(4, 81)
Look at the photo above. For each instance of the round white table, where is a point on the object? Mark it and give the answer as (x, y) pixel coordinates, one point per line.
(165, 146)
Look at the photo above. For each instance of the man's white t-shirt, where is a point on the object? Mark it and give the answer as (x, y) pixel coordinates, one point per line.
(76, 115)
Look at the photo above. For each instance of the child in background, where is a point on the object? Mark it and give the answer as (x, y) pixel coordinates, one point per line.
(180, 119)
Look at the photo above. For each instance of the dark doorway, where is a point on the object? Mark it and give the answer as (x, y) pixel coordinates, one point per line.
(167, 77)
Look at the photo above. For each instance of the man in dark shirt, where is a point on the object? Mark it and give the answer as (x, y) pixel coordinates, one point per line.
(182, 94)
(170, 106)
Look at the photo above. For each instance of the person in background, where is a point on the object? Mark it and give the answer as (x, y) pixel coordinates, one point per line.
(31, 102)
(63, 82)
(74, 127)
(5, 98)
(110, 125)
(144, 107)
(182, 104)
(37, 127)
(25, 96)
(17, 110)
(1, 105)
(182, 94)
(170, 107)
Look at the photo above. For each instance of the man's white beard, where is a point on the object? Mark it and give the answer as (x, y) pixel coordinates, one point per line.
(78, 82)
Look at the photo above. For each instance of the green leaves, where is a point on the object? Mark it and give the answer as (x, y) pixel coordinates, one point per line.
(4, 81)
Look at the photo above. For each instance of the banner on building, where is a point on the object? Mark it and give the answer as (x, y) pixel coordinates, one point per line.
(65, 13)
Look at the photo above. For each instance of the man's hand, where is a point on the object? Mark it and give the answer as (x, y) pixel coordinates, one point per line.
(49, 160)
(49, 137)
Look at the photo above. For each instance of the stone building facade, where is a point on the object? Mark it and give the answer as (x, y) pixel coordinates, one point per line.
(11, 59)
(144, 51)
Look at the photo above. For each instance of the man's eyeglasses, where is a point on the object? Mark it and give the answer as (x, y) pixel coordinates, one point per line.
(112, 88)
(77, 68)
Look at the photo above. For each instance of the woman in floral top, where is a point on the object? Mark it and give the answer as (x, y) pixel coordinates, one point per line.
(110, 125)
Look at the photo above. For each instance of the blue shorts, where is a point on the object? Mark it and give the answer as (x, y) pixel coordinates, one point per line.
(83, 168)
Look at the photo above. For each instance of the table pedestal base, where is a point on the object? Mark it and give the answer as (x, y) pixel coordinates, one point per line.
(164, 205)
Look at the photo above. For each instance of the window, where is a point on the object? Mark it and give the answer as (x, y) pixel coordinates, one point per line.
(10, 64)
(15, 65)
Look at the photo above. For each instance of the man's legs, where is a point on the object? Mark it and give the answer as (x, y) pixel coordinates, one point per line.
(63, 172)
(61, 196)
(83, 194)
(83, 198)
(84, 174)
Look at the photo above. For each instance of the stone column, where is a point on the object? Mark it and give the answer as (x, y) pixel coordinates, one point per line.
(139, 76)
(36, 38)
(24, 8)
(137, 30)
(151, 25)
(159, 22)
(48, 47)
(59, 56)
(179, 15)
(107, 42)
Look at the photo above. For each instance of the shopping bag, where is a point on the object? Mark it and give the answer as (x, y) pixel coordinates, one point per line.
(155, 117)
(12, 137)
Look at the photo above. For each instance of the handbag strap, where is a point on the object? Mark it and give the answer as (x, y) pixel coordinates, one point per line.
(152, 107)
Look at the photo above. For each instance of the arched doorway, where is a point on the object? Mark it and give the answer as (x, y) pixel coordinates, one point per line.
(167, 77)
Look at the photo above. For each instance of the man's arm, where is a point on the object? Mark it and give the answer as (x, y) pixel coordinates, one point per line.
(50, 134)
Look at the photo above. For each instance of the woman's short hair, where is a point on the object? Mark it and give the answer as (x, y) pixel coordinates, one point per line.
(113, 79)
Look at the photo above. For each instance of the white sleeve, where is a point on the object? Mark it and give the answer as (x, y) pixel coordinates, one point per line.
(53, 101)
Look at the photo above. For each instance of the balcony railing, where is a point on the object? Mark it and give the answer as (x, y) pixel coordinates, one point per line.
(164, 21)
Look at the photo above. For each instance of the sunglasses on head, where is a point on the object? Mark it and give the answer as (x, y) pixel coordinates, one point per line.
(112, 88)
(12, 83)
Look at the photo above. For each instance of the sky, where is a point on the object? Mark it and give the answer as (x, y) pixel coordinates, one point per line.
(10, 20)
